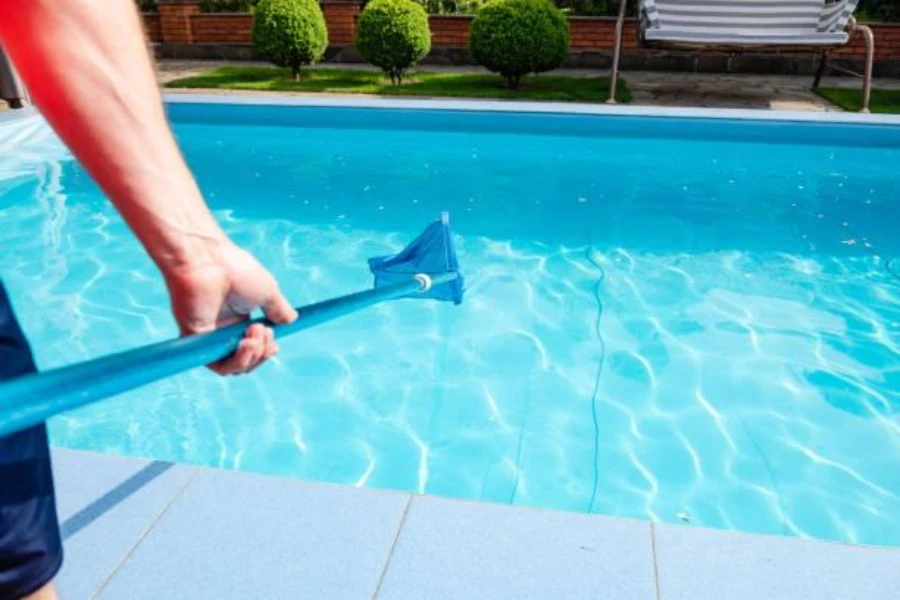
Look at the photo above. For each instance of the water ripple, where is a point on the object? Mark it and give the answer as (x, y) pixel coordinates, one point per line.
(669, 348)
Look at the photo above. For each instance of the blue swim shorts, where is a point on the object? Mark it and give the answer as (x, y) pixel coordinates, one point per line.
(30, 547)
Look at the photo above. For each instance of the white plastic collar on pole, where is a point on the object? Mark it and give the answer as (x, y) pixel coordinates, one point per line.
(425, 280)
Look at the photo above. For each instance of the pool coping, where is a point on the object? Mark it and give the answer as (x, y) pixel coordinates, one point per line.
(18, 114)
(137, 528)
(574, 108)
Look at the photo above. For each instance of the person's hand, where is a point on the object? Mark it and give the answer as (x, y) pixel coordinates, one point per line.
(222, 290)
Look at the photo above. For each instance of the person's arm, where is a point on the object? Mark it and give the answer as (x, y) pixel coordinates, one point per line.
(87, 68)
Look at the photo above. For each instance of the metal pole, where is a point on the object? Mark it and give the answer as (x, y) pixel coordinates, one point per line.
(869, 38)
(617, 51)
(823, 58)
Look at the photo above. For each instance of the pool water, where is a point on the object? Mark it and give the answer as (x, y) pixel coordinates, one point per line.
(683, 320)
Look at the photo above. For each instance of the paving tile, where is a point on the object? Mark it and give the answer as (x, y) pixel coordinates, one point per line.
(468, 550)
(106, 503)
(236, 535)
(695, 563)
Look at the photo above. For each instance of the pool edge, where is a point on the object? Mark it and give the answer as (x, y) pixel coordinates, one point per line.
(509, 106)
(393, 544)
(19, 114)
(572, 108)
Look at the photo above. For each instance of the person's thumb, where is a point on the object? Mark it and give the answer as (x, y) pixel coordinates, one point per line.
(278, 309)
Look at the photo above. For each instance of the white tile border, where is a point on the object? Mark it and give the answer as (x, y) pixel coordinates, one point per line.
(534, 107)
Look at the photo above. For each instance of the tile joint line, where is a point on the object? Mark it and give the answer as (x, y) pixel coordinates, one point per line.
(194, 475)
(655, 565)
(387, 562)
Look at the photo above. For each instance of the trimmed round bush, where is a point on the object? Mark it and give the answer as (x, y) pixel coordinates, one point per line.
(393, 35)
(290, 33)
(518, 37)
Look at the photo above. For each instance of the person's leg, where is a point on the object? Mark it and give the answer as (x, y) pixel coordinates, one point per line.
(30, 546)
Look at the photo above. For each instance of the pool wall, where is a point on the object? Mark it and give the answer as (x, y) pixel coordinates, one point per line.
(508, 106)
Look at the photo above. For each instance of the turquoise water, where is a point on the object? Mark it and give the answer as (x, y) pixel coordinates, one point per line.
(683, 320)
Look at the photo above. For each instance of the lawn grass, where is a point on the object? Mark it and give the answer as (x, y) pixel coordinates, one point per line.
(882, 101)
(455, 85)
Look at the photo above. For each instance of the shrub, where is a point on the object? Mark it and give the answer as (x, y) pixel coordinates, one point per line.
(147, 6)
(451, 7)
(393, 35)
(517, 37)
(595, 8)
(214, 6)
(880, 10)
(290, 33)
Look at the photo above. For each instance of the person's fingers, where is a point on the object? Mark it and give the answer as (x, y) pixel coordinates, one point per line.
(278, 309)
(249, 352)
(238, 361)
(271, 348)
(226, 366)
(245, 360)
(257, 331)
(218, 367)
(253, 352)
(261, 334)
(257, 347)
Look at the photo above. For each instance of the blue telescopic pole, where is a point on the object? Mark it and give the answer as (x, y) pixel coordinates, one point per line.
(32, 399)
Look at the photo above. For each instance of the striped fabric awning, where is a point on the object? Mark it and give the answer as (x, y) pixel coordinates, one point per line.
(748, 22)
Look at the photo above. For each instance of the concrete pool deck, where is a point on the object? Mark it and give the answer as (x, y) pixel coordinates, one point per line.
(136, 529)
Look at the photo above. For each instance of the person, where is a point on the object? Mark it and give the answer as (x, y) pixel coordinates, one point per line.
(87, 69)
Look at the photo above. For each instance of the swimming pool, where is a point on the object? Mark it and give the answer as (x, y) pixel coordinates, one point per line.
(689, 320)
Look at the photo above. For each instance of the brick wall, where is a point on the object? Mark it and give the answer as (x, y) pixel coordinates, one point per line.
(175, 20)
(449, 31)
(183, 23)
(340, 18)
(222, 28)
(599, 33)
(180, 24)
(887, 42)
(152, 27)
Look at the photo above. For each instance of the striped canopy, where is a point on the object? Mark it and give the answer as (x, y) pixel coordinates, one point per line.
(748, 22)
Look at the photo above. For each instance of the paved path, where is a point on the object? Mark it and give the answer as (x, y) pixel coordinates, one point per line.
(775, 92)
